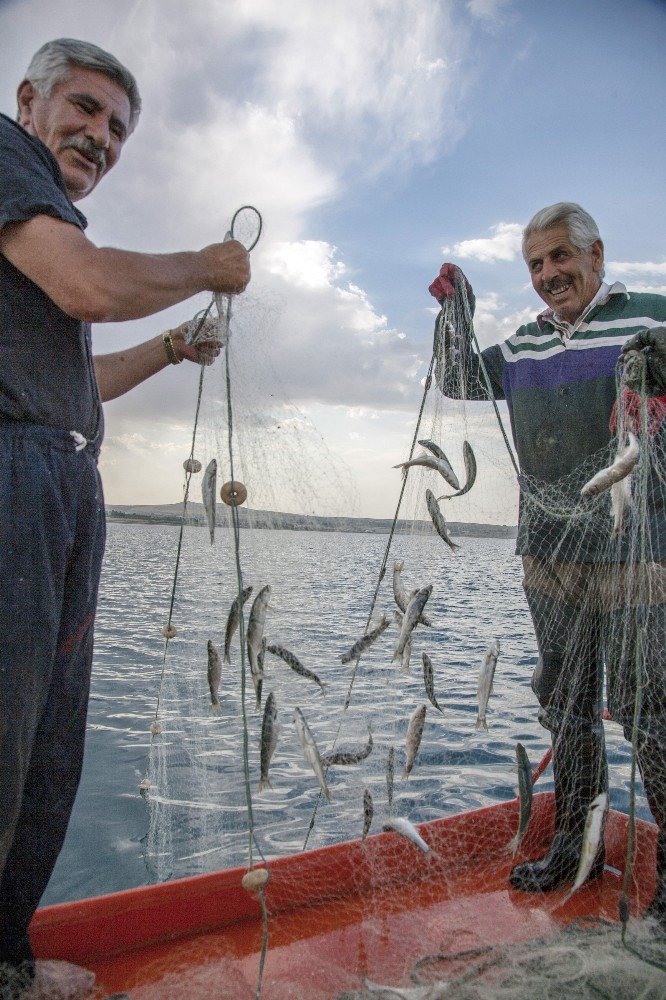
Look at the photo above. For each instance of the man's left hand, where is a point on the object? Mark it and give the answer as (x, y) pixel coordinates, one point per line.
(203, 352)
(653, 344)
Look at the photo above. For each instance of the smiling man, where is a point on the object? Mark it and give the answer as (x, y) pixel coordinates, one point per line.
(558, 377)
(76, 108)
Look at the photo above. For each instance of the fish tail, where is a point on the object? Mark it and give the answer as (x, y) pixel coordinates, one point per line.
(513, 844)
(226, 658)
(264, 783)
(215, 708)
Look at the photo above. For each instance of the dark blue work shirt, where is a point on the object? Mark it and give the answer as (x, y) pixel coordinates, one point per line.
(46, 368)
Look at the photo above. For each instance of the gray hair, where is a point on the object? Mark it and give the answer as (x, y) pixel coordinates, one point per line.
(52, 62)
(583, 230)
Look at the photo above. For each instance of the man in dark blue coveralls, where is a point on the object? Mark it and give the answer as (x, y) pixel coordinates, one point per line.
(76, 108)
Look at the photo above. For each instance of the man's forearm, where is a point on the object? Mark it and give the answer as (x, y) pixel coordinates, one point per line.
(101, 284)
(121, 371)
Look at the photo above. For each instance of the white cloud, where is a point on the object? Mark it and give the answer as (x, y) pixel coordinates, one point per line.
(504, 245)
(637, 267)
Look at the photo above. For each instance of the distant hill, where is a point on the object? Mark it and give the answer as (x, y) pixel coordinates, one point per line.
(171, 513)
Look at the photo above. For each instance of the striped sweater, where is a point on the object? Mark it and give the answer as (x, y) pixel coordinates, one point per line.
(560, 391)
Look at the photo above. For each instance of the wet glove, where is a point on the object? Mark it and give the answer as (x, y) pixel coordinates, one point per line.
(444, 285)
(652, 345)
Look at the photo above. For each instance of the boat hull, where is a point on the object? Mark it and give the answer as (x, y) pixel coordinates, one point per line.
(335, 914)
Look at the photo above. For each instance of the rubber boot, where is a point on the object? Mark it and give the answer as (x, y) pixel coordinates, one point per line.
(579, 767)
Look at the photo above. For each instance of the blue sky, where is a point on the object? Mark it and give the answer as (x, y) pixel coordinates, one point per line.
(378, 138)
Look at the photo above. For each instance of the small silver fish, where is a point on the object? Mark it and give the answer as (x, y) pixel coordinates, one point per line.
(592, 837)
(349, 756)
(208, 494)
(485, 686)
(368, 812)
(438, 520)
(451, 478)
(436, 464)
(428, 680)
(620, 496)
(624, 463)
(260, 664)
(470, 473)
(366, 641)
(406, 829)
(310, 751)
(232, 623)
(255, 632)
(409, 622)
(524, 796)
(214, 676)
(270, 731)
(413, 739)
(390, 771)
(401, 598)
(292, 661)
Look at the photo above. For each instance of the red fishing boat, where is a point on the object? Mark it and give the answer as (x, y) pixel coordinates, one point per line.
(338, 914)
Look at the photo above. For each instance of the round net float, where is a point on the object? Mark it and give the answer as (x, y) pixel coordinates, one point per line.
(155, 728)
(233, 493)
(192, 465)
(144, 785)
(169, 631)
(256, 878)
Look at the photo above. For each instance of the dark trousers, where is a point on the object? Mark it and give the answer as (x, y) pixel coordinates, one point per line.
(52, 534)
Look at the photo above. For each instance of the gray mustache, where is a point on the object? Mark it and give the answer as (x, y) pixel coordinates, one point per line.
(88, 149)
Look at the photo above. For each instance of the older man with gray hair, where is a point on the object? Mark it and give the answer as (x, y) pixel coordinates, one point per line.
(77, 106)
(558, 377)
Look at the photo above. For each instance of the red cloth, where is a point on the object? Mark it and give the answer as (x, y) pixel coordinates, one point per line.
(631, 406)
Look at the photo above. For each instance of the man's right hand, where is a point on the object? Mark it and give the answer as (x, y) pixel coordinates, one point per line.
(227, 267)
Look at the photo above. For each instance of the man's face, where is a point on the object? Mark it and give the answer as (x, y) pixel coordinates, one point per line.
(84, 122)
(566, 278)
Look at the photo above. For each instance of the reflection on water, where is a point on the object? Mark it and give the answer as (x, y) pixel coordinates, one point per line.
(322, 585)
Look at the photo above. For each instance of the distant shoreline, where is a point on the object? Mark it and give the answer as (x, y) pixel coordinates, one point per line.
(172, 514)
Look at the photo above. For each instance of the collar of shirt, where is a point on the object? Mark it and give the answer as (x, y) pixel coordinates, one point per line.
(548, 316)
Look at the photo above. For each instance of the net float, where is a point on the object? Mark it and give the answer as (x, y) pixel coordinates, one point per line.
(256, 878)
(192, 465)
(233, 493)
(169, 631)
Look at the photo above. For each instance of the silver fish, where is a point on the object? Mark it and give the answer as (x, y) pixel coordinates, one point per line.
(310, 751)
(406, 829)
(401, 598)
(435, 991)
(260, 664)
(412, 615)
(366, 641)
(214, 676)
(208, 493)
(368, 812)
(413, 739)
(270, 731)
(428, 680)
(620, 496)
(407, 651)
(470, 473)
(293, 662)
(592, 837)
(232, 623)
(485, 686)
(436, 464)
(438, 520)
(524, 796)
(390, 771)
(349, 756)
(624, 463)
(255, 633)
(451, 478)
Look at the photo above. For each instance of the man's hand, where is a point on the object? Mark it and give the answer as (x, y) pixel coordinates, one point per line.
(444, 285)
(227, 267)
(652, 343)
(206, 348)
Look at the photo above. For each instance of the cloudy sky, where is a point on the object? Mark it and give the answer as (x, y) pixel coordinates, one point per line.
(378, 138)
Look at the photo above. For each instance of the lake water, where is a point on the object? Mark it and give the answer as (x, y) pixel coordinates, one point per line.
(322, 586)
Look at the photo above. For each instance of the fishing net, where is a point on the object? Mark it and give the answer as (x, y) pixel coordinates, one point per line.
(383, 681)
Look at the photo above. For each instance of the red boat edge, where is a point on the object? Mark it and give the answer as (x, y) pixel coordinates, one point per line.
(99, 928)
